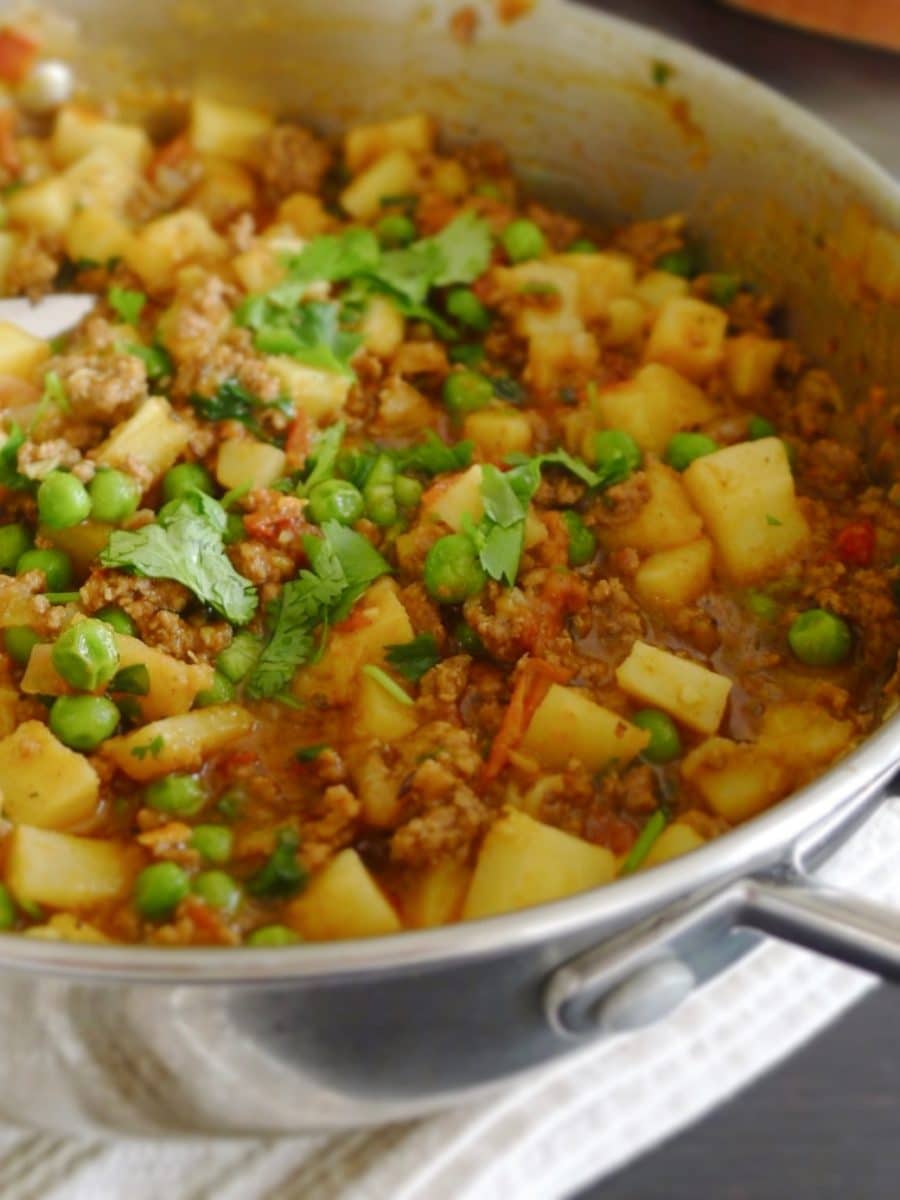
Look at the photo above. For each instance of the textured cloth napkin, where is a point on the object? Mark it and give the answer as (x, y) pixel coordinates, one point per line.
(566, 1126)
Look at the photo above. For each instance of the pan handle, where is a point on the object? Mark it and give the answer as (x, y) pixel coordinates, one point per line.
(643, 974)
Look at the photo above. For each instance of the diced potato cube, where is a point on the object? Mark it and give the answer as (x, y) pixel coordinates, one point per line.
(498, 432)
(437, 895)
(78, 131)
(382, 327)
(803, 735)
(556, 358)
(666, 520)
(168, 242)
(625, 321)
(9, 703)
(81, 542)
(43, 782)
(378, 714)
(66, 927)
(653, 406)
(44, 207)
(363, 144)
(9, 248)
(745, 494)
(401, 407)
(177, 743)
(560, 313)
(228, 131)
(18, 606)
(62, 871)
(102, 179)
(524, 862)
(449, 177)
(736, 780)
(259, 268)
(750, 362)
(602, 278)
(342, 901)
(688, 335)
(568, 725)
(692, 694)
(226, 190)
(320, 394)
(675, 840)
(677, 576)
(151, 439)
(456, 497)
(96, 235)
(656, 287)
(305, 213)
(378, 620)
(395, 174)
(20, 353)
(245, 460)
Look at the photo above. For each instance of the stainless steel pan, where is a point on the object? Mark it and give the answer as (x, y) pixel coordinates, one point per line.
(330, 1036)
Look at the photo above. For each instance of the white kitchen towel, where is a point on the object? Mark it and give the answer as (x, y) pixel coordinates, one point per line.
(566, 1126)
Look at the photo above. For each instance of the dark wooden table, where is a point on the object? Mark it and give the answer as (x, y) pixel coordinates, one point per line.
(826, 1124)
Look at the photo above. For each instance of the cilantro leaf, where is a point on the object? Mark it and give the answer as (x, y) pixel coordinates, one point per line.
(501, 503)
(323, 458)
(153, 748)
(10, 475)
(156, 360)
(384, 680)
(559, 458)
(232, 402)
(282, 874)
(502, 551)
(311, 333)
(414, 659)
(126, 304)
(186, 545)
(433, 456)
(331, 257)
(464, 246)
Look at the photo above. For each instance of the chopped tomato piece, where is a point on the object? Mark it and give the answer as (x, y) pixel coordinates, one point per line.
(855, 544)
(532, 684)
(17, 55)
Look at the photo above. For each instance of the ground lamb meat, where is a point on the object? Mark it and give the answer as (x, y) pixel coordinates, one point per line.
(293, 160)
(33, 269)
(232, 358)
(333, 824)
(102, 389)
(183, 640)
(423, 612)
(37, 459)
(443, 687)
(648, 241)
(620, 503)
(140, 598)
(830, 469)
(261, 563)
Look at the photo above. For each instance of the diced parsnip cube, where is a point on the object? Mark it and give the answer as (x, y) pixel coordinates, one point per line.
(382, 327)
(151, 439)
(44, 783)
(666, 520)
(745, 494)
(393, 175)
(363, 144)
(320, 394)
(656, 287)
(342, 901)
(225, 190)
(675, 840)
(18, 606)
(556, 358)
(452, 499)
(81, 542)
(62, 871)
(677, 576)
(167, 243)
(692, 694)
(737, 780)
(305, 214)
(750, 362)
(78, 131)
(20, 353)
(558, 311)
(436, 897)
(66, 927)
(378, 620)
(602, 278)
(9, 248)
(378, 714)
(653, 406)
(96, 235)
(177, 743)
(102, 179)
(567, 725)
(803, 735)
(688, 335)
(624, 322)
(45, 207)
(245, 460)
(524, 862)
(450, 178)
(229, 131)
(498, 432)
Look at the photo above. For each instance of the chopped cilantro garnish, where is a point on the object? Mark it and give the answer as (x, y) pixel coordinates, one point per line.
(151, 749)
(323, 458)
(661, 72)
(10, 475)
(232, 402)
(155, 359)
(310, 753)
(311, 333)
(282, 874)
(126, 304)
(384, 680)
(415, 658)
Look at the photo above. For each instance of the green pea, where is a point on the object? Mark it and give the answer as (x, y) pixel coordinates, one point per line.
(452, 570)
(159, 889)
(664, 744)
(218, 890)
(114, 495)
(20, 640)
(683, 448)
(83, 722)
(86, 655)
(14, 541)
(178, 795)
(467, 391)
(238, 657)
(234, 529)
(522, 240)
(62, 500)
(616, 455)
(185, 478)
(759, 427)
(272, 935)
(336, 500)
(582, 246)
(7, 910)
(761, 606)
(582, 543)
(220, 692)
(468, 354)
(819, 638)
(723, 289)
(214, 843)
(464, 305)
(378, 493)
(118, 618)
(678, 262)
(407, 491)
(395, 230)
(56, 566)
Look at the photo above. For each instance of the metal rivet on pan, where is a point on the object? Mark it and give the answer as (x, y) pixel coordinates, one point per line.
(648, 995)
